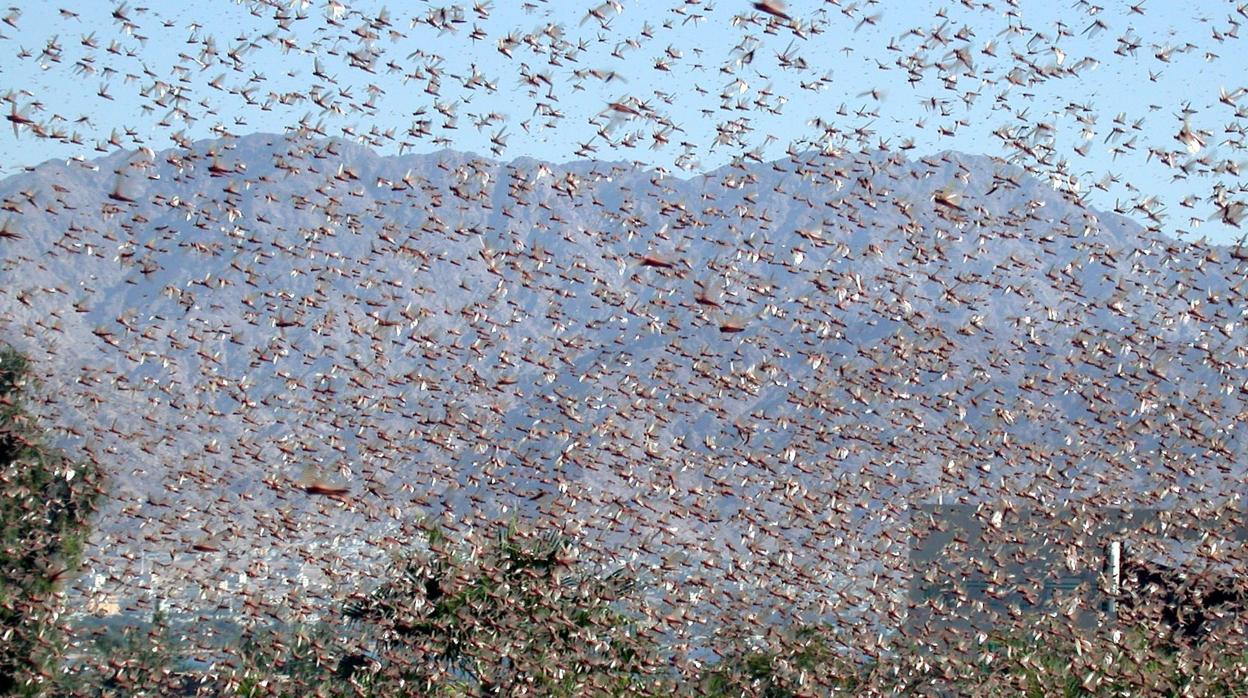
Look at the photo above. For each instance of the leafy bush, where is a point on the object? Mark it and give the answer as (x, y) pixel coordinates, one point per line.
(46, 503)
(517, 615)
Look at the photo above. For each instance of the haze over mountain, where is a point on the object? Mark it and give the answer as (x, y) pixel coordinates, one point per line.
(745, 376)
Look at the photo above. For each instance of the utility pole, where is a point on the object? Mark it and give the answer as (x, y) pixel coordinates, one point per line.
(1113, 574)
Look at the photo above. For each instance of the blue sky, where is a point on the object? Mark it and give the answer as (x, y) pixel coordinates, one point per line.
(730, 76)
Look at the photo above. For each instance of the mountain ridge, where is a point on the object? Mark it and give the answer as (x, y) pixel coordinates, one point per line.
(738, 363)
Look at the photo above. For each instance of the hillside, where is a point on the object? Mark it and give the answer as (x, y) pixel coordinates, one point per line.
(745, 376)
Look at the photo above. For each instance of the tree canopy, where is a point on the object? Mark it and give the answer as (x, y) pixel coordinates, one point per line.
(46, 503)
(521, 615)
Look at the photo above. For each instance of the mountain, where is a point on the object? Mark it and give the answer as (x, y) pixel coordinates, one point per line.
(738, 381)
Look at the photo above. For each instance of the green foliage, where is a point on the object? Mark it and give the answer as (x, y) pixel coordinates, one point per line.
(1047, 660)
(800, 662)
(295, 662)
(518, 616)
(45, 506)
(139, 660)
(1051, 658)
(1137, 661)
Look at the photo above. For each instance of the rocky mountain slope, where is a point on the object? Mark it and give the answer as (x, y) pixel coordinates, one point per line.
(740, 380)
